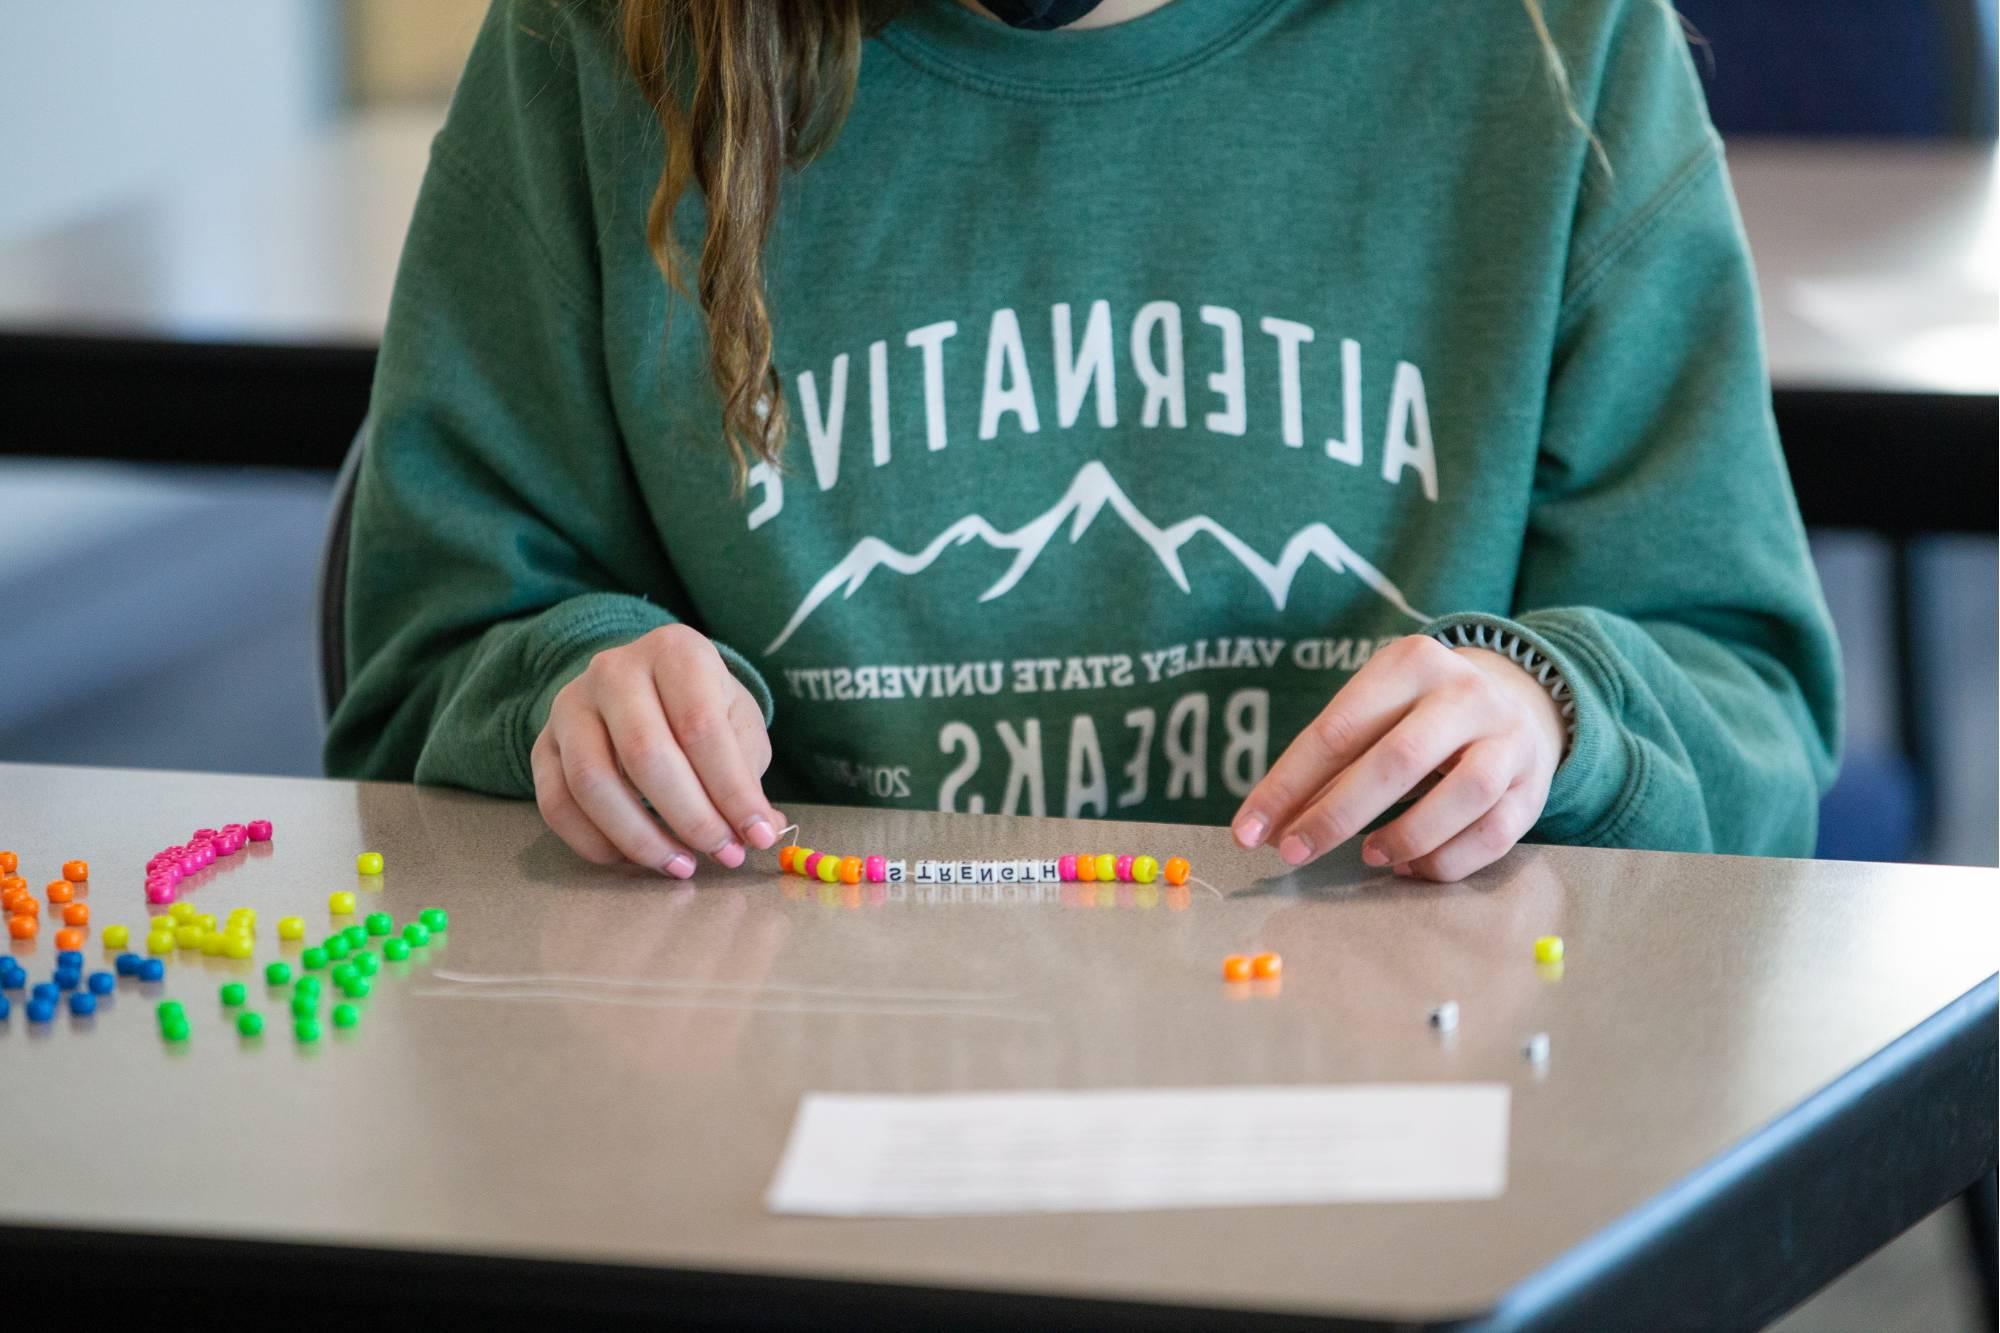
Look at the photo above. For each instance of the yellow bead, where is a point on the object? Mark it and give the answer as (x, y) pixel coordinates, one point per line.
(799, 859)
(243, 915)
(341, 904)
(291, 927)
(188, 936)
(369, 863)
(238, 946)
(181, 912)
(212, 943)
(160, 941)
(1107, 867)
(205, 920)
(1145, 869)
(829, 868)
(115, 937)
(1549, 949)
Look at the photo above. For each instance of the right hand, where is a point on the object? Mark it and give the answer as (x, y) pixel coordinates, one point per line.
(660, 718)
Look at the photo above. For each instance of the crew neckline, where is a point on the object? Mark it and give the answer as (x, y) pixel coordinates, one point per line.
(1067, 64)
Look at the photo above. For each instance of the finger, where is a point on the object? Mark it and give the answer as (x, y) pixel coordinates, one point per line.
(1480, 775)
(651, 758)
(1360, 715)
(696, 688)
(1438, 727)
(1489, 838)
(591, 770)
(560, 811)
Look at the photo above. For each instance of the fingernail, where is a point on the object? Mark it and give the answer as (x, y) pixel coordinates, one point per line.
(758, 832)
(1250, 830)
(681, 867)
(1295, 849)
(1373, 855)
(1403, 870)
(730, 854)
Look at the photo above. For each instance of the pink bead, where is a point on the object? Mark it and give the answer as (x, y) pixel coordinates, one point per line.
(1066, 867)
(876, 868)
(189, 864)
(203, 835)
(260, 830)
(812, 865)
(1124, 868)
(174, 853)
(161, 893)
(235, 828)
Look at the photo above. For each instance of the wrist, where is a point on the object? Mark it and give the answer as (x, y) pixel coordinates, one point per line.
(1527, 674)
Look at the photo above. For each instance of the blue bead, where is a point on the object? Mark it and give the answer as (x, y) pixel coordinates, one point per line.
(70, 958)
(68, 978)
(47, 990)
(13, 980)
(127, 964)
(102, 983)
(83, 1004)
(6, 1008)
(41, 1011)
(152, 970)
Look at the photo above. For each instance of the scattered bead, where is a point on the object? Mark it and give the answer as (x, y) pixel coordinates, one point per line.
(102, 983)
(1236, 968)
(436, 920)
(1177, 869)
(356, 988)
(76, 914)
(69, 957)
(278, 974)
(419, 934)
(258, 830)
(82, 1003)
(356, 935)
(68, 978)
(9, 863)
(169, 1010)
(345, 973)
(239, 947)
(22, 927)
(341, 904)
(305, 1003)
(1536, 1051)
(127, 964)
(395, 950)
(366, 963)
(380, 923)
(1444, 1017)
(250, 1023)
(1549, 949)
(306, 1029)
(152, 970)
(41, 1011)
(181, 912)
(291, 927)
(60, 891)
(46, 990)
(214, 943)
(175, 1030)
(233, 994)
(6, 1008)
(76, 872)
(314, 959)
(345, 1015)
(1267, 967)
(335, 947)
(116, 937)
(70, 937)
(369, 863)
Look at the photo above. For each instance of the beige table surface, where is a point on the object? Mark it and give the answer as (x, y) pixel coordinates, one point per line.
(1702, 997)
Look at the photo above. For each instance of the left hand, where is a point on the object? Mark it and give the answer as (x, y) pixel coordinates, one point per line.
(1414, 709)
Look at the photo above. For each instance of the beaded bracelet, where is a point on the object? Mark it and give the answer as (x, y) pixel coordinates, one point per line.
(1102, 866)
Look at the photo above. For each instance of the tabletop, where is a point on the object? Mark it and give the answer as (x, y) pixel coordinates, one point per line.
(1704, 999)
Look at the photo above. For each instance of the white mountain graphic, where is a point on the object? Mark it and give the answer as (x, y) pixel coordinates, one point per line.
(1088, 495)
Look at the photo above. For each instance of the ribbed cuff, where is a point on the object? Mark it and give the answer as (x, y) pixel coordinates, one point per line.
(1590, 783)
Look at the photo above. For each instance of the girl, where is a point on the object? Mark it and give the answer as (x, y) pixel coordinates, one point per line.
(1202, 410)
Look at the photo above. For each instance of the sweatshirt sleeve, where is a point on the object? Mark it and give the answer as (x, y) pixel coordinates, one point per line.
(498, 541)
(1665, 570)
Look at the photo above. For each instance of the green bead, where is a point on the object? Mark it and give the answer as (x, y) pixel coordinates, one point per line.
(435, 919)
(305, 1005)
(345, 973)
(345, 1015)
(336, 946)
(250, 1023)
(357, 988)
(395, 950)
(380, 923)
(277, 974)
(314, 959)
(306, 1029)
(174, 1029)
(233, 994)
(366, 963)
(307, 985)
(171, 1009)
(356, 935)
(417, 933)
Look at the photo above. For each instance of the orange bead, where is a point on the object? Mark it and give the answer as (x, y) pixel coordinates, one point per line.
(76, 914)
(61, 890)
(76, 871)
(1236, 968)
(23, 927)
(785, 858)
(27, 906)
(9, 863)
(1267, 966)
(1086, 868)
(1177, 869)
(850, 870)
(71, 938)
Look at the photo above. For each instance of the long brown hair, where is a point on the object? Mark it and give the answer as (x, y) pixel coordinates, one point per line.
(746, 90)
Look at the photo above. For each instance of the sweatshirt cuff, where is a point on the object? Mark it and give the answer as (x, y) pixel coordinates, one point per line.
(1597, 779)
(582, 627)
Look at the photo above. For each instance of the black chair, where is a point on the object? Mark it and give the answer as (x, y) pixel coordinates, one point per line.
(332, 610)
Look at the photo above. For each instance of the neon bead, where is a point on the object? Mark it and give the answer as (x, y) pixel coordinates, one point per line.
(1107, 867)
(1145, 869)
(366, 963)
(259, 830)
(395, 950)
(76, 872)
(214, 943)
(417, 934)
(306, 1029)
(181, 912)
(116, 937)
(250, 1023)
(278, 974)
(355, 935)
(809, 867)
(829, 869)
(1066, 869)
(1123, 869)
(170, 1009)
(345, 1015)
(9, 863)
(368, 863)
(850, 870)
(380, 923)
(1549, 949)
(1086, 869)
(291, 928)
(344, 974)
(175, 1030)
(239, 947)
(1236, 968)
(335, 947)
(436, 920)
(76, 914)
(60, 891)
(205, 920)
(22, 927)
(233, 994)
(102, 983)
(341, 904)
(876, 868)
(785, 855)
(1177, 869)
(70, 937)
(82, 1003)
(1267, 966)
(356, 988)
(160, 941)
(152, 970)
(314, 959)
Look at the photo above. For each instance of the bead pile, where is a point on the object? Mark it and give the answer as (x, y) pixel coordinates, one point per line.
(830, 868)
(170, 865)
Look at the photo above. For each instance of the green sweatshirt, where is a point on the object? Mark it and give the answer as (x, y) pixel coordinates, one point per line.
(1144, 381)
